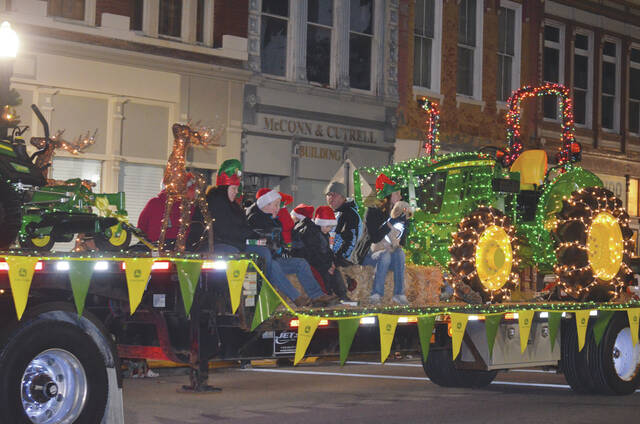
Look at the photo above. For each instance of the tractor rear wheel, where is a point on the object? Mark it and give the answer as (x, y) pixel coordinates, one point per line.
(593, 245)
(484, 254)
(10, 215)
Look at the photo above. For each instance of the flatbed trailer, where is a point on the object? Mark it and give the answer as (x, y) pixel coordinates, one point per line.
(57, 363)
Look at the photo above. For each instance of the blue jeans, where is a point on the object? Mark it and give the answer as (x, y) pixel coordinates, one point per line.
(301, 268)
(382, 260)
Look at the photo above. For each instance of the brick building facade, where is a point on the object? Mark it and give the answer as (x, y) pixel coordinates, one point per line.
(469, 54)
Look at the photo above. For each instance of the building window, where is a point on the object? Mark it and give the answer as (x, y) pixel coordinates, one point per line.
(469, 76)
(553, 66)
(70, 9)
(634, 91)
(170, 18)
(360, 43)
(509, 40)
(273, 36)
(319, 36)
(610, 88)
(423, 36)
(582, 80)
(137, 12)
(200, 21)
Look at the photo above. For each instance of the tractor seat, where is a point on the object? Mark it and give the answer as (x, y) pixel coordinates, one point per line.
(532, 166)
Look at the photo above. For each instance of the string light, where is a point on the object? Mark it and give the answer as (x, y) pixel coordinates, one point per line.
(432, 143)
(47, 150)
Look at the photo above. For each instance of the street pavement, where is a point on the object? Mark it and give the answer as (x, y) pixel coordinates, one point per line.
(363, 392)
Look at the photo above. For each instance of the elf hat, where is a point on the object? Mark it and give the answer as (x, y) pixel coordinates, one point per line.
(302, 211)
(267, 196)
(286, 199)
(385, 186)
(325, 217)
(229, 173)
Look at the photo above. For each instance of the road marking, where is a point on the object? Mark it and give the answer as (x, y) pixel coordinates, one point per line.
(391, 364)
(401, 377)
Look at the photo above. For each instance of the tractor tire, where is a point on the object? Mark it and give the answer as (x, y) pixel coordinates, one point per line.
(10, 216)
(484, 255)
(441, 370)
(573, 363)
(593, 246)
(44, 243)
(615, 362)
(111, 241)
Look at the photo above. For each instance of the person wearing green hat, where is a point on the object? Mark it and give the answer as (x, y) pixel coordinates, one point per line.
(378, 225)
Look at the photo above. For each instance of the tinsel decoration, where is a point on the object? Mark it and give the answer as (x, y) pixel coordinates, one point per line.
(577, 274)
(176, 179)
(47, 149)
(514, 142)
(432, 142)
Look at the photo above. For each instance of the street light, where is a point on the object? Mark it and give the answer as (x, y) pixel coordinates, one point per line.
(8, 49)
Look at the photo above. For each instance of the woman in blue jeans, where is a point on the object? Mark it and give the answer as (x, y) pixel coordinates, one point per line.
(379, 225)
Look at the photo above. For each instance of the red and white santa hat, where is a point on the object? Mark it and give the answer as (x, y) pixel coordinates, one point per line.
(302, 211)
(325, 217)
(266, 196)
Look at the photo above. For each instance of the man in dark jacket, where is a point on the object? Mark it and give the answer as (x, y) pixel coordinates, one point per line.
(262, 219)
(349, 224)
(316, 250)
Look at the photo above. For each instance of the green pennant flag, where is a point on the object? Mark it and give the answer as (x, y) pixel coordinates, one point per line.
(268, 301)
(554, 324)
(491, 324)
(188, 275)
(346, 333)
(80, 277)
(425, 330)
(601, 324)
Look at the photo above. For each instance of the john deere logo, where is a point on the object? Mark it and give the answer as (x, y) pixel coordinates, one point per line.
(22, 272)
(635, 318)
(137, 273)
(582, 321)
(388, 327)
(526, 321)
(459, 326)
(236, 273)
(307, 329)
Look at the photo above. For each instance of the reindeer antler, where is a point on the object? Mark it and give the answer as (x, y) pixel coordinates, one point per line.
(79, 145)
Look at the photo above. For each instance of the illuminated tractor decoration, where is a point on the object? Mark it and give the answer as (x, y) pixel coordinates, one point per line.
(484, 216)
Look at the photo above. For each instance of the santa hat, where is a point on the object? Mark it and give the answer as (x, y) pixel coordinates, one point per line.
(325, 217)
(302, 211)
(286, 198)
(266, 196)
(385, 186)
(229, 173)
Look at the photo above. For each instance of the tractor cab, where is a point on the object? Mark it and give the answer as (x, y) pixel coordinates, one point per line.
(531, 165)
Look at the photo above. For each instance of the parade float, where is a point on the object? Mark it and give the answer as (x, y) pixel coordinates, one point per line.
(482, 217)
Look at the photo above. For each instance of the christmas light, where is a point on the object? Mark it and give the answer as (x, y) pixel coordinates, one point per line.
(432, 143)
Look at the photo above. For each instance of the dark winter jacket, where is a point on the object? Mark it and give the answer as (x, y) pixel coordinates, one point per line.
(267, 227)
(348, 230)
(315, 249)
(375, 228)
(230, 223)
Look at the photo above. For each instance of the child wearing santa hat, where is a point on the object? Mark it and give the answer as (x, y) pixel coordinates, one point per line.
(316, 249)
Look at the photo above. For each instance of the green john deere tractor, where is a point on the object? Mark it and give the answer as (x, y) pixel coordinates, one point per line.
(485, 215)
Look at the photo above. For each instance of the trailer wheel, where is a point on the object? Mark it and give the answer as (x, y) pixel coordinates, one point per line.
(615, 362)
(574, 363)
(52, 372)
(441, 370)
(115, 238)
(594, 245)
(10, 215)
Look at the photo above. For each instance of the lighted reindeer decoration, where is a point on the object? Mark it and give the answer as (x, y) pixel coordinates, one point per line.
(47, 150)
(176, 182)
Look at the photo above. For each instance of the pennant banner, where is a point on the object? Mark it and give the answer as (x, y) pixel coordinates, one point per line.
(387, 325)
(188, 276)
(582, 321)
(458, 325)
(554, 324)
(80, 277)
(268, 301)
(525, 319)
(347, 329)
(634, 318)
(601, 324)
(425, 330)
(137, 271)
(491, 323)
(21, 270)
(306, 327)
(236, 271)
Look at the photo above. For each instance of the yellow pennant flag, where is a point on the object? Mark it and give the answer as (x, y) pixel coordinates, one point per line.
(306, 327)
(236, 271)
(634, 320)
(387, 324)
(137, 271)
(525, 318)
(582, 321)
(458, 325)
(21, 270)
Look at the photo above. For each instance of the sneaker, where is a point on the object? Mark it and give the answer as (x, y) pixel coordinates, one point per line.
(400, 299)
(375, 299)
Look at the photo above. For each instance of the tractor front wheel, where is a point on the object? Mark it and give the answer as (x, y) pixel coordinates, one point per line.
(115, 238)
